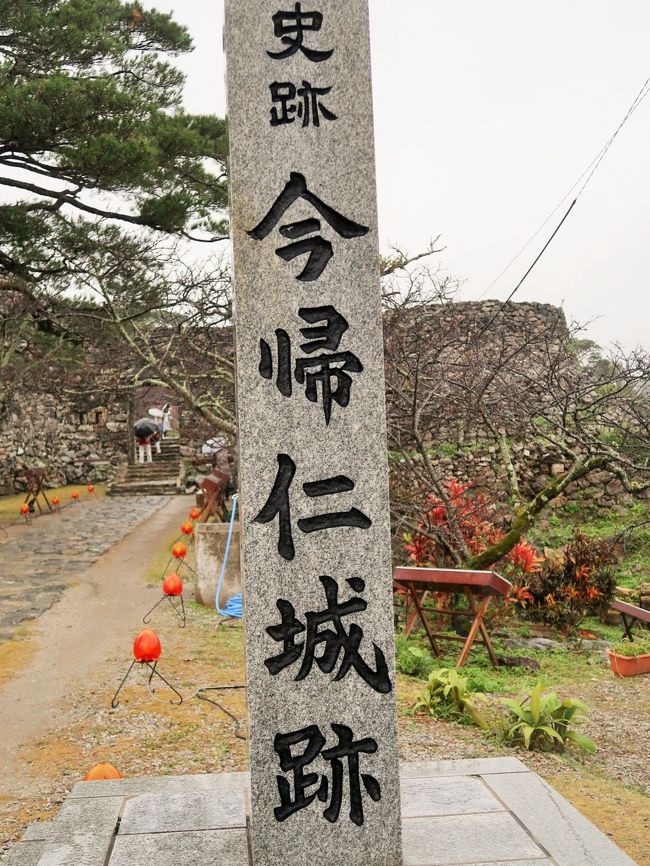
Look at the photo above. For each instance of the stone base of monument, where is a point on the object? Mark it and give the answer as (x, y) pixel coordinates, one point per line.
(211, 541)
(480, 812)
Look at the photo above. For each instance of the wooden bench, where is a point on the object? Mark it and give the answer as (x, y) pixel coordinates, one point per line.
(482, 585)
(629, 614)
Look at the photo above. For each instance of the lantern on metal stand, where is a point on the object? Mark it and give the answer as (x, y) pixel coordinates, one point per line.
(146, 652)
(26, 513)
(172, 589)
(178, 553)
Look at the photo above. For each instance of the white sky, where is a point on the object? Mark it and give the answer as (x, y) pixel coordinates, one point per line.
(485, 115)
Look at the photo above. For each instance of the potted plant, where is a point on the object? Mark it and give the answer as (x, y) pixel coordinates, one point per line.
(630, 658)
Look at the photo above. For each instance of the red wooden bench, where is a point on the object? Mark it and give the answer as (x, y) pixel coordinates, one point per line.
(475, 585)
(629, 613)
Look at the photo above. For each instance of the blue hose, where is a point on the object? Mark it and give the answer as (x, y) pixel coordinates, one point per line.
(234, 605)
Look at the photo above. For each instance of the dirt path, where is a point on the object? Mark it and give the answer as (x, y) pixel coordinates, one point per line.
(70, 643)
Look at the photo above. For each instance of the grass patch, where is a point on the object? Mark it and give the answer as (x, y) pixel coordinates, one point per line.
(10, 505)
(602, 631)
(563, 667)
(156, 569)
(15, 654)
(559, 528)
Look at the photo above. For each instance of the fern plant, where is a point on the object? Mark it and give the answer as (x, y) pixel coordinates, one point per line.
(545, 722)
(448, 696)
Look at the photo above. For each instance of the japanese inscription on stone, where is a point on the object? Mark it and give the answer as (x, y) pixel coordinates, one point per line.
(312, 446)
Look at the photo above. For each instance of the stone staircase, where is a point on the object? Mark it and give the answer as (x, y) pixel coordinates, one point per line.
(160, 478)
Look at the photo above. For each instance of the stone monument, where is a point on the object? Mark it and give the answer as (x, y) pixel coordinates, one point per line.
(313, 459)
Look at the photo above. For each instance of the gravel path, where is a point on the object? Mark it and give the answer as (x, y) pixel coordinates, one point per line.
(40, 560)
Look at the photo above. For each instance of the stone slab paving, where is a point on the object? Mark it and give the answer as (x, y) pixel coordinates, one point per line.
(486, 812)
(55, 550)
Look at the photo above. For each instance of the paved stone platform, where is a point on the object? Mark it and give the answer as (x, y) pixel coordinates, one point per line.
(37, 565)
(488, 812)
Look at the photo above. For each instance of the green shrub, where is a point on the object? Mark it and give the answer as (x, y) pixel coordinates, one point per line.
(637, 647)
(574, 582)
(544, 722)
(481, 681)
(448, 695)
(412, 659)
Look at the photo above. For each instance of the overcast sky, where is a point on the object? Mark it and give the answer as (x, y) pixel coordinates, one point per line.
(485, 115)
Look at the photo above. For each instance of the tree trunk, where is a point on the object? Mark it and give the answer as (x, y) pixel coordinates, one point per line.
(525, 516)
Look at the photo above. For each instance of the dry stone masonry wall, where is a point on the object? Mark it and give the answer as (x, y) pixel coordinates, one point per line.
(74, 445)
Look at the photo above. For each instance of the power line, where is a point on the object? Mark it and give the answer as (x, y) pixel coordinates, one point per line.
(516, 288)
(588, 173)
(637, 102)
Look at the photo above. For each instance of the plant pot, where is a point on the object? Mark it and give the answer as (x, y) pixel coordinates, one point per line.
(629, 666)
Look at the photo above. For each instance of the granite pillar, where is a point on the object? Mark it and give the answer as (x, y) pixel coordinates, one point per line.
(211, 541)
(313, 458)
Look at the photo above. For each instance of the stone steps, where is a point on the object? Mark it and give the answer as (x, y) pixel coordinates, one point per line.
(162, 487)
(153, 469)
(158, 478)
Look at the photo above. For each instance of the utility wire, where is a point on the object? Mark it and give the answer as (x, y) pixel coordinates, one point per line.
(588, 173)
(544, 248)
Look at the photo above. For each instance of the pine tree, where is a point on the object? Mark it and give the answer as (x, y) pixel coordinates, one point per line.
(93, 136)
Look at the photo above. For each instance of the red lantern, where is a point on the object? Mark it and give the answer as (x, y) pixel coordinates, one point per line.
(24, 509)
(102, 771)
(90, 488)
(146, 646)
(187, 528)
(147, 651)
(179, 551)
(75, 494)
(195, 513)
(173, 585)
(56, 501)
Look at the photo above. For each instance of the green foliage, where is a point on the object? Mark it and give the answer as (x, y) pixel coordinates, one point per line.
(544, 722)
(574, 582)
(412, 659)
(89, 102)
(561, 526)
(638, 647)
(448, 695)
(481, 680)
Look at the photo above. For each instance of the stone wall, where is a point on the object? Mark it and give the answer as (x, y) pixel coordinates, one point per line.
(75, 444)
(481, 465)
(86, 443)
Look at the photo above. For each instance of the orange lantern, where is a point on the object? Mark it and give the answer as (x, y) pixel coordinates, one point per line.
(24, 509)
(146, 646)
(179, 551)
(146, 651)
(56, 501)
(75, 494)
(187, 528)
(195, 513)
(173, 585)
(90, 488)
(102, 771)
